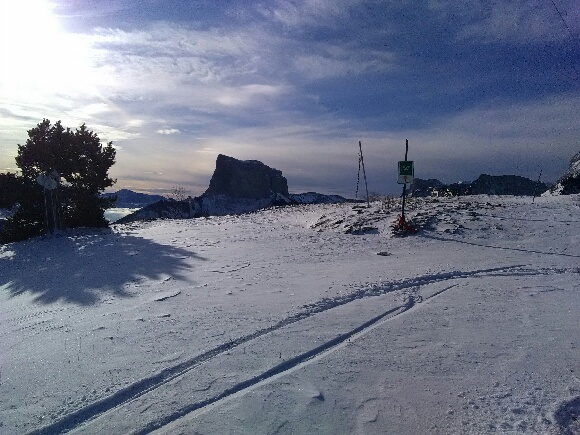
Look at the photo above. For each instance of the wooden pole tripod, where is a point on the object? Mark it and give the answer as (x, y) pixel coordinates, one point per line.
(361, 163)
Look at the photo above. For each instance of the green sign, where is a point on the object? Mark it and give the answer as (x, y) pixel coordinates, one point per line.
(406, 172)
(406, 168)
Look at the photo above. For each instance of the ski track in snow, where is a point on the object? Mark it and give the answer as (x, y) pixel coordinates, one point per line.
(147, 385)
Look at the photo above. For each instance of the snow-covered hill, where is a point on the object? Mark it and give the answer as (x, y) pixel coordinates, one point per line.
(288, 321)
(222, 205)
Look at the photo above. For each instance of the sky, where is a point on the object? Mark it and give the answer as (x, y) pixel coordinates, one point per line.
(475, 86)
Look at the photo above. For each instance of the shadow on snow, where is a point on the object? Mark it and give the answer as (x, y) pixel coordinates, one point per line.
(82, 267)
(507, 248)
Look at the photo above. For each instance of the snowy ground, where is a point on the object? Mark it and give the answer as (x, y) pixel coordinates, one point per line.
(288, 321)
(114, 214)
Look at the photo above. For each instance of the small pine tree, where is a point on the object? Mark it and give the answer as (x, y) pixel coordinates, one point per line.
(81, 162)
(10, 189)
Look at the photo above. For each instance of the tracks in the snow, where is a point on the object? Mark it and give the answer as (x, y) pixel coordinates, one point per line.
(150, 384)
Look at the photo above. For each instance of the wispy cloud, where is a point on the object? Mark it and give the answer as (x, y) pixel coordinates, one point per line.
(247, 94)
(168, 131)
(89, 111)
(298, 13)
(335, 61)
(513, 22)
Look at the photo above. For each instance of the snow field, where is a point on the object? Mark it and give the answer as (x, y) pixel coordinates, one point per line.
(279, 321)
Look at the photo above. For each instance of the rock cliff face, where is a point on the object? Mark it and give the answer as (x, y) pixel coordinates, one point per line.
(245, 179)
(569, 184)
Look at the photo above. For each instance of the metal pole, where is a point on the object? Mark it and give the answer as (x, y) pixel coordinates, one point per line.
(404, 184)
(536, 189)
(46, 225)
(357, 177)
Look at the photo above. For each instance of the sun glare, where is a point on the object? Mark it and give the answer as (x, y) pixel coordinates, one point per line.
(37, 56)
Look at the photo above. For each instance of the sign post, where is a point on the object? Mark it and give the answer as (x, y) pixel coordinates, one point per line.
(49, 181)
(406, 174)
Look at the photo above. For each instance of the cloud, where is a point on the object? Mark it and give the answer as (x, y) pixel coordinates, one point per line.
(89, 111)
(512, 22)
(108, 133)
(135, 123)
(176, 65)
(247, 94)
(168, 131)
(178, 48)
(336, 61)
(537, 120)
(308, 12)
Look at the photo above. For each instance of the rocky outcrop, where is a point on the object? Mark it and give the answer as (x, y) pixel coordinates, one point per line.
(422, 188)
(245, 179)
(569, 183)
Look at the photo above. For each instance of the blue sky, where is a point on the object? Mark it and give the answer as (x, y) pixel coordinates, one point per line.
(475, 86)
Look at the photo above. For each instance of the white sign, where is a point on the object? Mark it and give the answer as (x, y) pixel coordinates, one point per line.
(47, 181)
(405, 179)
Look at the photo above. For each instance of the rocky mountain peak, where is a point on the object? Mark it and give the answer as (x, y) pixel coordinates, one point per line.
(246, 179)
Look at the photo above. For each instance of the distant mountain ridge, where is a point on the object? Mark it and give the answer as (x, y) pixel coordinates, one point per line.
(129, 199)
(484, 185)
(316, 198)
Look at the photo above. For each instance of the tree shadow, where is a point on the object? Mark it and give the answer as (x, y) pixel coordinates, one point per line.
(84, 267)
